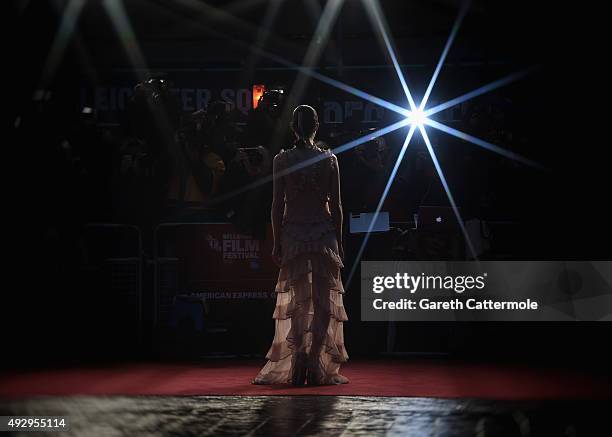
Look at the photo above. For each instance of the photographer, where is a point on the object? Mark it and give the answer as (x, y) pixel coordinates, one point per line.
(265, 125)
(221, 135)
(255, 160)
(249, 209)
(198, 180)
(208, 142)
(149, 156)
(367, 169)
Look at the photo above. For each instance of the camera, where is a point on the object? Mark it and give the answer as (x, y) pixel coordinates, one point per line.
(253, 154)
(272, 99)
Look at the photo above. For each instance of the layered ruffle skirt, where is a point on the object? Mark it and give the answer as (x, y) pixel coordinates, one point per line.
(309, 312)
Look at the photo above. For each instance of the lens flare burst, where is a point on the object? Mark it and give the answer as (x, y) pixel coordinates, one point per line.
(419, 117)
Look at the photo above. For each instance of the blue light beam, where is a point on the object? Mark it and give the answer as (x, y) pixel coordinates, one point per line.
(482, 143)
(383, 197)
(451, 38)
(448, 191)
(69, 21)
(310, 161)
(479, 91)
(344, 87)
(374, 7)
(279, 60)
(121, 23)
(317, 43)
(340, 149)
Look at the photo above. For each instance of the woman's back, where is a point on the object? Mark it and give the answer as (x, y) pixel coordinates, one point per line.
(306, 215)
(308, 176)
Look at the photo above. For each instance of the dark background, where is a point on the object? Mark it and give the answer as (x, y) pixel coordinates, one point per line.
(557, 115)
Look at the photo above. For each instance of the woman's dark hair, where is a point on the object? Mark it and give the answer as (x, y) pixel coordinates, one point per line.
(304, 123)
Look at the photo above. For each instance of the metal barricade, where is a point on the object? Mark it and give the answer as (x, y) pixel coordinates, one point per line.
(166, 280)
(120, 260)
(190, 269)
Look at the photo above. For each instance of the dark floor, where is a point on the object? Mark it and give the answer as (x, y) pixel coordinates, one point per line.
(315, 415)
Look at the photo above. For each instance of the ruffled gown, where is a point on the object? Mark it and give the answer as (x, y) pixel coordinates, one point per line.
(309, 312)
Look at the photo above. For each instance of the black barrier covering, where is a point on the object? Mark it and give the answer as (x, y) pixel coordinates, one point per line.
(213, 283)
(113, 264)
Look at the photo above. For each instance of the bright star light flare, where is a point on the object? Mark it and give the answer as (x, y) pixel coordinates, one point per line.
(377, 17)
(398, 162)
(448, 191)
(449, 43)
(337, 150)
(419, 117)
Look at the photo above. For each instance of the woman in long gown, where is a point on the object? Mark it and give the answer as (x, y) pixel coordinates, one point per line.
(308, 345)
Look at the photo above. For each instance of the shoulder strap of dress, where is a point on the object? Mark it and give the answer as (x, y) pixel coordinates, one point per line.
(282, 155)
(331, 157)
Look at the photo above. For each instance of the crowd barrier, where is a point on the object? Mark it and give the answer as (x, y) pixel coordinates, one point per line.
(214, 271)
(212, 274)
(115, 251)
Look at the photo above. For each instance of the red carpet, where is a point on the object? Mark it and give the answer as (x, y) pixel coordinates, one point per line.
(424, 378)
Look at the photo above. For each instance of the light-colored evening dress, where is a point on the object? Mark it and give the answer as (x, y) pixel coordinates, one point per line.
(309, 312)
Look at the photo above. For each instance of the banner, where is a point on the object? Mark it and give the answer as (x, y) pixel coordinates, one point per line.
(220, 262)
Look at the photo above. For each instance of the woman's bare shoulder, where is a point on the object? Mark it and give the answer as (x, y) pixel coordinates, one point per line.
(324, 149)
(280, 156)
(333, 159)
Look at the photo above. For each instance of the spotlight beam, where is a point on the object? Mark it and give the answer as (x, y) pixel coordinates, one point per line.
(373, 6)
(121, 23)
(305, 163)
(479, 91)
(383, 197)
(347, 146)
(78, 44)
(337, 84)
(70, 18)
(206, 15)
(482, 143)
(262, 36)
(304, 70)
(125, 33)
(319, 39)
(449, 43)
(417, 117)
(448, 191)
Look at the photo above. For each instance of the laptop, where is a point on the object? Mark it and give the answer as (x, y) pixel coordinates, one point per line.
(360, 222)
(436, 218)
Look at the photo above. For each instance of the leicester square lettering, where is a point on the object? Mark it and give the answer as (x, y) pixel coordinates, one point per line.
(115, 99)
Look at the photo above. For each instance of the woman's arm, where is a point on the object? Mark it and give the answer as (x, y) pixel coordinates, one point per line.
(335, 204)
(278, 207)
